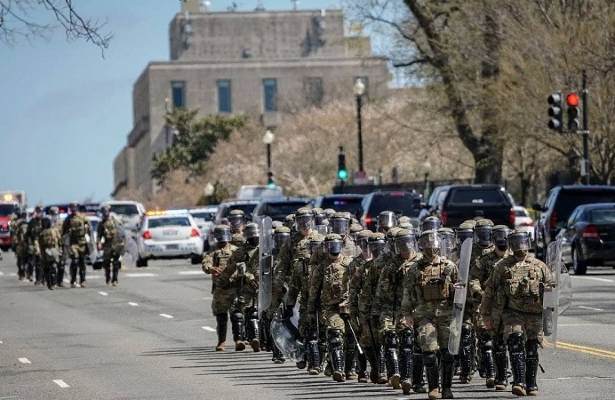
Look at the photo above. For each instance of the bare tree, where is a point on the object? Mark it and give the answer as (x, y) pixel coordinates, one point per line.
(30, 19)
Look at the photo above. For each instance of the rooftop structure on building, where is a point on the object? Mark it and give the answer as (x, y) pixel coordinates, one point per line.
(262, 63)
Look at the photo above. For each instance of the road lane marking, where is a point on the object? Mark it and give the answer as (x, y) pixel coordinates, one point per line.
(103, 293)
(1, 273)
(208, 328)
(61, 383)
(208, 298)
(587, 350)
(595, 279)
(591, 308)
(588, 324)
(133, 304)
(1, 342)
(166, 316)
(191, 272)
(24, 360)
(140, 275)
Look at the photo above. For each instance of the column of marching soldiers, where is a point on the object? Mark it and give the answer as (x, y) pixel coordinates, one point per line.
(384, 299)
(43, 244)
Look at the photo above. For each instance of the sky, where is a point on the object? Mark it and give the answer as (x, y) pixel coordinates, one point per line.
(65, 111)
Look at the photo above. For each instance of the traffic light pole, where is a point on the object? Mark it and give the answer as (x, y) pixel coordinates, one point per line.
(360, 131)
(586, 165)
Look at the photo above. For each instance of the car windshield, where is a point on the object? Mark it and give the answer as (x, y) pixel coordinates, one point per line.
(205, 216)
(281, 209)
(124, 209)
(246, 208)
(344, 204)
(399, 203)
(567, 201)
(168, 221)
(7, 209)
(473, 196)
(605, 216)
(258, 192)
(520, 213)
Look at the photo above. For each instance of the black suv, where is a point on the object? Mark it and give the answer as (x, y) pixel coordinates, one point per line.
(401, 203)
(464, 202)
(561, 201)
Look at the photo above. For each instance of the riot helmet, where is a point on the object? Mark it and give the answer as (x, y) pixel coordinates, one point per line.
(46, 223)
(355, 229)
(404, 219)
(362, 241)
(38, 211)
(252, 234)
(431, 223)
(405, 242)
(334, 244)
(429, 243)
(315, 244)
(519, 242)
(281, 236)
(236, 218)
(329, 213)
(465, 231)
(447, 242)
(54, 211)
(500, 237)
(289, 221)
(386, 220)
(304, 219)
(222, 234)
(105, 211)
(376, 243)
(320, 218)
(340, 223)
(483, 232)
(73, 207)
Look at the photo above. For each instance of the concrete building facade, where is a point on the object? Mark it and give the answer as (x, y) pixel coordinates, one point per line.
(267, 64)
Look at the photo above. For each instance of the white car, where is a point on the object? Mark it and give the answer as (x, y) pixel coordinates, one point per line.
(169, 235)
(204, 218)
(129, 212)
(523, 221)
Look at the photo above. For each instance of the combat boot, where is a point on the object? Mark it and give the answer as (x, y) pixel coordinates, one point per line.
(466, 359)
(362, 368)
(517, 361)
(350, 363)
(221, 325)
(488, 362)
(448, 369)
(313, 357)
(238, 328)
(406, 358)
(418, 381)
(501, 367)
(277, 356)
(336, 353)
(531, 363)
(392, 360)
(433, 374)
(382, 377)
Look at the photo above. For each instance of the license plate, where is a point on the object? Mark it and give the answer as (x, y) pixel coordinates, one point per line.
(172, 247)
(169, 232)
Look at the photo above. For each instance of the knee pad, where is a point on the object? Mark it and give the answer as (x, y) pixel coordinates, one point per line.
(515, 342)
(407, 339)
(390, 339)
(487, 345)
(335, 337)
(531, 348)
(237, 317)
(251, 313)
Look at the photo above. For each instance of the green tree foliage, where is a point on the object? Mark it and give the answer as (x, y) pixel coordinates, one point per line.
(194, 140)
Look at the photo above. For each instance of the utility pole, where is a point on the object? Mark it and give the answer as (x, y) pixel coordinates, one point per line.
(585, 168)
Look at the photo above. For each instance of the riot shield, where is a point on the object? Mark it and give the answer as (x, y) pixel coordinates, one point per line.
(285, 335)
(265, 265)
(461, 291)
(551, 298)
(131, 251)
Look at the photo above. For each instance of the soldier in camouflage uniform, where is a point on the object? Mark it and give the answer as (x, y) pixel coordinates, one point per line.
(237, 220)
(329, 293)
(518, 283)
(492, 342)
(214, 263)
(34, 253)
(364, 293)
(241, 274)
(386, 220)
(428, 299)
(56, 223)
(110, 240)
(76, 227)
(289, 221)
(50, 244)
(431, 223)
(18, 235)
(357, 278)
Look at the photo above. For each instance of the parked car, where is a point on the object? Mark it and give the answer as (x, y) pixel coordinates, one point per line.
(589, 237)
(351, 203)
(523, 221)
(435, 201)
(464, 202)
(224, 208)
(558, 207)
(129, 212)
(204, 218)
(259, 192)
(401, 203)
(166, 235)
(94, 256)
(278, 209)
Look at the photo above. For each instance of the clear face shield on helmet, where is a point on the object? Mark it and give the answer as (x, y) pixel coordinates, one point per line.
(447, 244)
(484, 235)
(236, 221)
(519, 242)
(304, 222)
(462, 235)
(222, 236)
(280, 239)
(430, 224)
(386, 220)
(500, 238)
(430, 243)
(252, 235)
(334, 247)
(406, 244)
(320, 219)
(340, 226)
(363, 244)
(315, 246)
(376, 247)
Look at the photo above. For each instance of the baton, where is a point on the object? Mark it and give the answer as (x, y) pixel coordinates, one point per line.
(354, 337)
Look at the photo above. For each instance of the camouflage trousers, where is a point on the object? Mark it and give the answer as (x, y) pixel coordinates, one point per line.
(332, 319)
(390, 323)
(222, 300)
(518, 322)
(366, 330)
(434, 330)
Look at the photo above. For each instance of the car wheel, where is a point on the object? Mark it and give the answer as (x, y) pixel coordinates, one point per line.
(5, 248)
(195, 259)
(141, 262)
(579, 266)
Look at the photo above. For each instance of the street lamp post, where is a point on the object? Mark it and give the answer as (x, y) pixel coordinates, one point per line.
(268, 138)
(427, 168)
(359, 91)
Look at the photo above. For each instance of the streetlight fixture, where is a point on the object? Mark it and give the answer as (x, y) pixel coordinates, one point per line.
(359, 91)
(268, 138)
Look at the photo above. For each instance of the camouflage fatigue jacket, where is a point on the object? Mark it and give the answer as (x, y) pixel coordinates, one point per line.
(76, 226)
(329, 286)
(49, 239)
(230, 274)
(479, 273)
(32, 233)
(366, 292)
(298, 261)
(517, 285)
(357, 278)
(216, 262)
(430, 287)
(108, 230)
(389, 292)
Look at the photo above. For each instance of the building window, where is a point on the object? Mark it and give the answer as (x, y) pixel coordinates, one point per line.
(365, 80)
(225, 103)
(270, 91)
(178, 92)
(314, 90)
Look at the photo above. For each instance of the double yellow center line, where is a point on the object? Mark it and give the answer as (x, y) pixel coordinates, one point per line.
(586, 350)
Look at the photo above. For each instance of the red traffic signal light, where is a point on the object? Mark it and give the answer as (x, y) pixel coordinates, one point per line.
(572, 100)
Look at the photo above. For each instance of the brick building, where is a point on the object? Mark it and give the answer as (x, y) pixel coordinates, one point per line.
(262, 63)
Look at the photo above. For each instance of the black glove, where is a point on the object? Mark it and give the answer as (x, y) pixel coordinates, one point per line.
(288, 311)
(345, 316)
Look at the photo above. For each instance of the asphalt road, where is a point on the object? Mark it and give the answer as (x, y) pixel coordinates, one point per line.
(152, 337)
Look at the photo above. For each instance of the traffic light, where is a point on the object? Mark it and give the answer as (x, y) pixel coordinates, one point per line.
(573, 101)
(270, 181)
(342, 172)
(556, 112)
